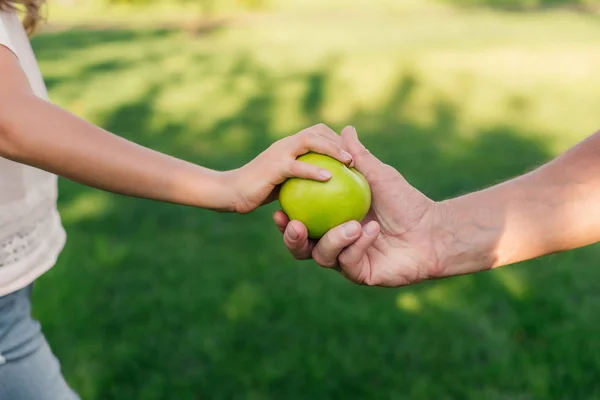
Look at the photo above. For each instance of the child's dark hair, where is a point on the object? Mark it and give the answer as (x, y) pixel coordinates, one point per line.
(31, 8)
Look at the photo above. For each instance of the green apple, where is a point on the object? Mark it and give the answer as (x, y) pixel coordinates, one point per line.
(321, 206)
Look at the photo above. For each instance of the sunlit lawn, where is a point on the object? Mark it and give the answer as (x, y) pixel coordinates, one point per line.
(155, 301)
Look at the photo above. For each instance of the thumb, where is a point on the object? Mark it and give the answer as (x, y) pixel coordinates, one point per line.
(364, 161)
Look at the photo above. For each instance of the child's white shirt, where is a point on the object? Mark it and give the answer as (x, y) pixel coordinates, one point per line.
(31, 232)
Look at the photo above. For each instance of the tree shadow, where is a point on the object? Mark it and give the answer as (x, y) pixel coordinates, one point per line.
(169, 302)
(72, 40)
(580, 6)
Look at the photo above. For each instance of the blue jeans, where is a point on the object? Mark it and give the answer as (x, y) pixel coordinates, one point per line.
(28, 368)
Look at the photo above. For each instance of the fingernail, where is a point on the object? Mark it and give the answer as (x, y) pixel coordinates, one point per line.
(346, 155)
(370, 229)
(350, 229)
(292, 234)
(325, 174)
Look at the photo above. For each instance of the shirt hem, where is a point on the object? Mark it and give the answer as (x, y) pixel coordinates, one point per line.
(43, 263)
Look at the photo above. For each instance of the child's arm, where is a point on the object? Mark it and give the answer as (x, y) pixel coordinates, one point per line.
(38, 133)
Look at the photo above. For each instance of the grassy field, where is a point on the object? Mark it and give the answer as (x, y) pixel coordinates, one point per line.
(154, 301)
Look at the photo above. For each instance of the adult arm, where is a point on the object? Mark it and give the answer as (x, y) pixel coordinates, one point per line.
(407, 238)
(554, 208)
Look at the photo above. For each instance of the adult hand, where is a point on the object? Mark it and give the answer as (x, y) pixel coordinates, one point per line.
(394, 244)
(407, 238)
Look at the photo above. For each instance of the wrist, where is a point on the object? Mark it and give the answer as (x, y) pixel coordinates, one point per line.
(227, 192)
(209, 189)
(231, 189)
(465, 240)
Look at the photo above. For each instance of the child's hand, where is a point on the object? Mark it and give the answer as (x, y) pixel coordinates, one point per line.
(257, 182)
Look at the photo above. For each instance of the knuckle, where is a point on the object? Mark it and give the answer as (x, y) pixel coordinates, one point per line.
(362, 153)
(321, 127)
(323, 261)
(295, 167)
(293, 247)
(389, 170)
(334, 240)
(309, 137)
(345, 259)
(315, 128)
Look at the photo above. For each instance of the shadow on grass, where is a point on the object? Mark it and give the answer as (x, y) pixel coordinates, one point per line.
(155, 301)
(581, 6)
(76, 39)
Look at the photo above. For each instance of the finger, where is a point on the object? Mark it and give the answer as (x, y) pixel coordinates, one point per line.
(311, 141)
(329, 134)
(281, 220)
(299, 169)
(350, 136)
(334, 242)
(350, 258)
(326, 132)
(295, 238)
(363, 159)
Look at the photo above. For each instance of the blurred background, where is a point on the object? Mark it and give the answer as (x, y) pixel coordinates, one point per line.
(154, 301)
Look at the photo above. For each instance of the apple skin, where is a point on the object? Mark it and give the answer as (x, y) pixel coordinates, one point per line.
(321, 206)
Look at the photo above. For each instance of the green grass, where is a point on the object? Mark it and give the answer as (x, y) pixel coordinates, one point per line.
(154, 301)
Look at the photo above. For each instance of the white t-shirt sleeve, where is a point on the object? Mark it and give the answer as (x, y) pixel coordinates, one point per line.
(14, 37)
(4, 37)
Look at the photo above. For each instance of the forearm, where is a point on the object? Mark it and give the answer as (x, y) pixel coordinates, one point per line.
(551, 209)
(40, 134)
